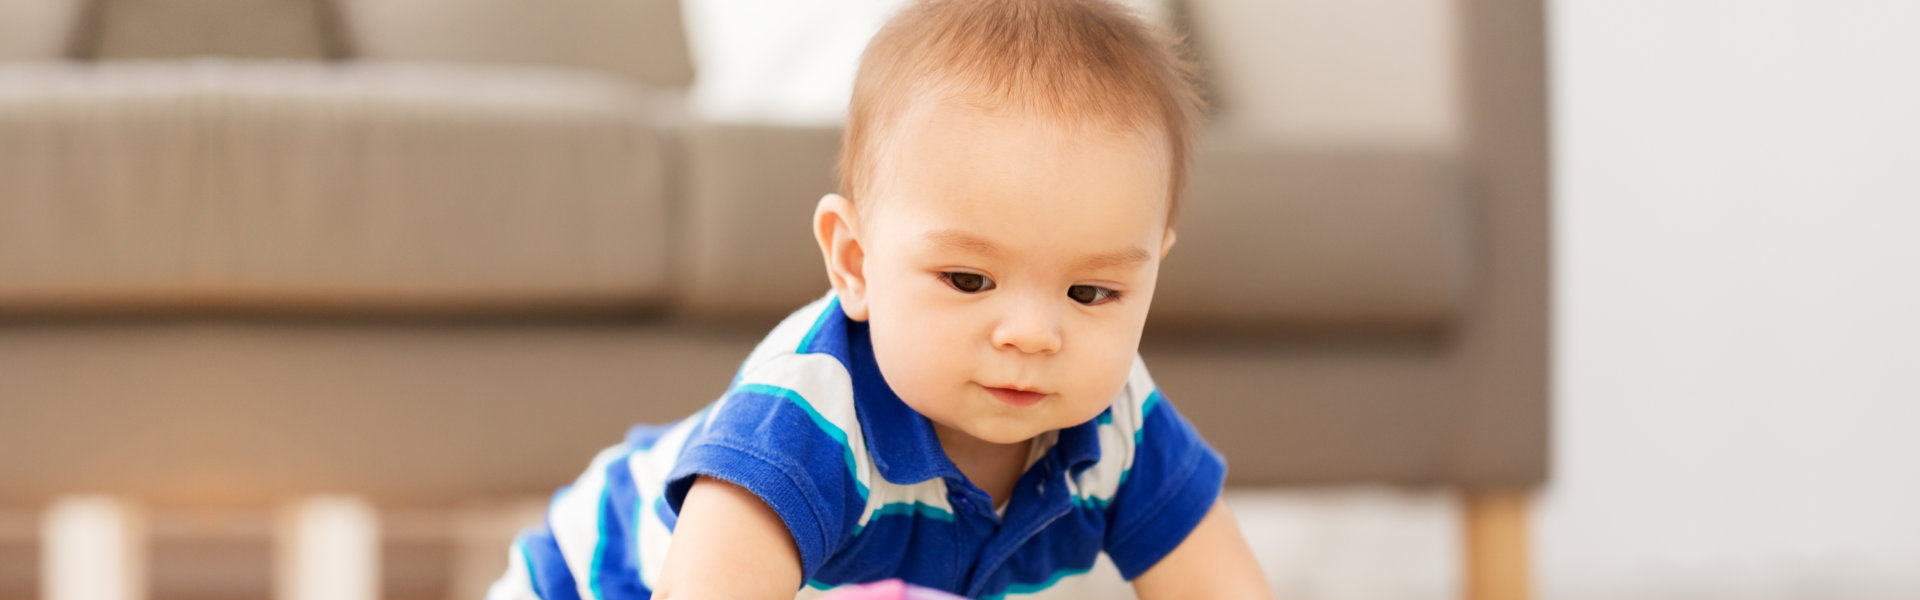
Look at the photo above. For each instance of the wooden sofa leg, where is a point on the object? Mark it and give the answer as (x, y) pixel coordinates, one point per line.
(327, 548)
(1497, 554)
(93, 548)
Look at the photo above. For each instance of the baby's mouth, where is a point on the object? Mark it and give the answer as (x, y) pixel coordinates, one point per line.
(1015, 396)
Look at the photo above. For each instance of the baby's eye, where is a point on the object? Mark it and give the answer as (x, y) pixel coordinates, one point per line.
(1091, 295)
(967, 282)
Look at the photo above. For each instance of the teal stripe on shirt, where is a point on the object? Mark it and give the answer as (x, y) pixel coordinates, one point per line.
(833, 431)
(1035, 588)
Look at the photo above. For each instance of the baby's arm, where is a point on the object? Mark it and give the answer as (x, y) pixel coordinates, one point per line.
(1213, 562)
(729, 544)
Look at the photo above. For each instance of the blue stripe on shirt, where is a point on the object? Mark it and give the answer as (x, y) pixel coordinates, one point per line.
(615, 574)
(827, 427)
(546, 567)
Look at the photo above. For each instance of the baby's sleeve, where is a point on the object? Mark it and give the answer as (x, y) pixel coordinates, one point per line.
(776, 441)
(1171, 482)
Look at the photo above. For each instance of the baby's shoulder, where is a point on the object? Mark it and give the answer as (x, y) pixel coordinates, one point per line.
(794, 334)
(818, 382)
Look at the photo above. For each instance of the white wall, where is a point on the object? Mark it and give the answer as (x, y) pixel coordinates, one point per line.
(1737, 354)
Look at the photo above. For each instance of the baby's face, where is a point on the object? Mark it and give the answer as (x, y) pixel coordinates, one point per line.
(1009, 265)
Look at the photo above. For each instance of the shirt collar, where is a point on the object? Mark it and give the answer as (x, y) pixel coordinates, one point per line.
(902, 442)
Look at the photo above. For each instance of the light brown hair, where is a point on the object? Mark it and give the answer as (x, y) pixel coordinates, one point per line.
(1068, 61)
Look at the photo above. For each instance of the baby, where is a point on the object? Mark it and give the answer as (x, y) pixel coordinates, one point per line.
(965, 411)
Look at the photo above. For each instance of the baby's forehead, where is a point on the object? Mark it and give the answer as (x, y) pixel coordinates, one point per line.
(994, 174)
(984, 113)
(961, 137)
(1002, 186)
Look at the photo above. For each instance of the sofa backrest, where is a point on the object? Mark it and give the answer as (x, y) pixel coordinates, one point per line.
(147, 29)
(1334, 72)
(643, 40)
(37, 29)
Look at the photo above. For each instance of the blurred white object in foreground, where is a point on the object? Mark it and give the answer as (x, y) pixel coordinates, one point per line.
(93, 549)
(328, 548)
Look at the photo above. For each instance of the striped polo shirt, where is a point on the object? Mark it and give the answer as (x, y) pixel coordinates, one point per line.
(862, 484)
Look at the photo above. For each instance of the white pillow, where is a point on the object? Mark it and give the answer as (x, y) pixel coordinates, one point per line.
(792, 62)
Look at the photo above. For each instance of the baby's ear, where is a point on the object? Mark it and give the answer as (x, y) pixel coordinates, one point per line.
(836, 226)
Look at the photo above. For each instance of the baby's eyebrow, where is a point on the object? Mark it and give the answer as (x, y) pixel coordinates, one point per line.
(962, 240)
(1132, 255)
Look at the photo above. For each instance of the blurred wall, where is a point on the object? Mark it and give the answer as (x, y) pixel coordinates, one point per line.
(1737, 344)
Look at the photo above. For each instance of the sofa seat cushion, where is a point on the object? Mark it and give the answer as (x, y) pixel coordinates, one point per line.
(206, 411)
(290, 184)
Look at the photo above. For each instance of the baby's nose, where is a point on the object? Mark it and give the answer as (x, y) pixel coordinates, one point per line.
(1030, 327)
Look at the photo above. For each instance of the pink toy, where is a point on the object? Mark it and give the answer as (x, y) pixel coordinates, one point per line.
(891, 589)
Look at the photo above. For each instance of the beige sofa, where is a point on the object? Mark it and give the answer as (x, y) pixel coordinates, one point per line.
(430, 251)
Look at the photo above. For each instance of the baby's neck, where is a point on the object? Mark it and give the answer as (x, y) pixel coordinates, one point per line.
(994, 468)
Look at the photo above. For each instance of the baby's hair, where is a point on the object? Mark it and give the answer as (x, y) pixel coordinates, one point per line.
(1069, 61)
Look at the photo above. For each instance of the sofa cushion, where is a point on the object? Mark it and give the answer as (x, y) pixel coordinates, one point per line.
(1317, 238)
(38, 29)
(1336, 71)
(304, 185)
(747, 248)
(127, 29)
(1272, 236)
(640, 39)
(251, 412)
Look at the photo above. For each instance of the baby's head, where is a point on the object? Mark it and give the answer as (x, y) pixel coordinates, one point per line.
(1009, 179)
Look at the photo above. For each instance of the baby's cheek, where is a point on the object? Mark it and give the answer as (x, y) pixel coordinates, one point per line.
(918, 358)
(1097, 379)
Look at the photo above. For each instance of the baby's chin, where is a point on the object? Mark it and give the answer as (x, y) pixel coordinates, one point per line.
(1013, 430)
(1007, 435)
